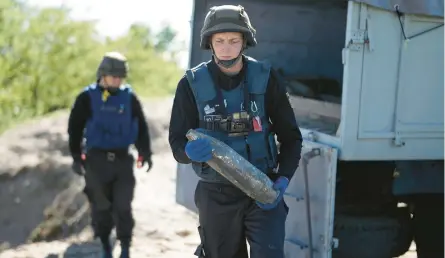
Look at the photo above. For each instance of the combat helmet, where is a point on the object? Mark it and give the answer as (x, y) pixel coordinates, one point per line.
(227, 18)
(114, 64)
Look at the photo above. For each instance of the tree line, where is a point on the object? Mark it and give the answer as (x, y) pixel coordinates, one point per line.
(47, 58)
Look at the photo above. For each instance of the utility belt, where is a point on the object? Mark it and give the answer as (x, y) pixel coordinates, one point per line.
(236, 124)
(111, 154)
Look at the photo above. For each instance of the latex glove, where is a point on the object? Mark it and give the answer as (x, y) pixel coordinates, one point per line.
(78, 165)
(144, 160)
(280, 185)
(199, 150)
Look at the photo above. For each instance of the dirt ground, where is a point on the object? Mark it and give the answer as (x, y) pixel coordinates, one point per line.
(35, 174)
(45, 215)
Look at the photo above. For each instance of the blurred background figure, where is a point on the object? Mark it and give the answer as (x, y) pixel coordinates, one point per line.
(112, 118)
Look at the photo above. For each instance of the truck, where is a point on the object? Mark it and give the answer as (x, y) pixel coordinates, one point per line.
(366, 82)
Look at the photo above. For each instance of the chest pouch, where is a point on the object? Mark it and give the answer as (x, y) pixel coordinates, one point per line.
(236, 124)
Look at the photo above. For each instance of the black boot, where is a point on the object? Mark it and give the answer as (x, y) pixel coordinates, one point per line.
(106, 247)
(125, 249)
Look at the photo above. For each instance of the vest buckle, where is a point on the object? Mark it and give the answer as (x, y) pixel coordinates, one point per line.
(111, 156)
(238, 126)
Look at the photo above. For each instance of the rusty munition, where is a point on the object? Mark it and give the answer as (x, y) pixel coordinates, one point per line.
(238, 170)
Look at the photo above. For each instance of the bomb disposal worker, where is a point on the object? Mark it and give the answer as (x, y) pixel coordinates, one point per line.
(235, 99)
(112, 118)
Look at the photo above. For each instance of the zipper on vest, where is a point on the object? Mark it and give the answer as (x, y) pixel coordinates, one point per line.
(247, 149)
(269, 147)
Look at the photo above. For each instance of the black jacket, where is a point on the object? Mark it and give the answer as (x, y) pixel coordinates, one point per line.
(81, 112)
(185, 116)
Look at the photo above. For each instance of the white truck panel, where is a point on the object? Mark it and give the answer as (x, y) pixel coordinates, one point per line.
(392, 103)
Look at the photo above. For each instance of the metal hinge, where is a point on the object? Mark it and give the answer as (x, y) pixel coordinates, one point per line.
(398, 141)
(358, 39)
(334, 243)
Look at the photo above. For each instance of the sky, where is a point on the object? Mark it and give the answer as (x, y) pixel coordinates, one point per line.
(114, 17)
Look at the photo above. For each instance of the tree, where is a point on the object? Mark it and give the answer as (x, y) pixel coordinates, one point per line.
(165, 38)
(47, 58)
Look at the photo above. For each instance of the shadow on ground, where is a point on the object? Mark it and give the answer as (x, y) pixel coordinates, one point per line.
(41, 199)
(89, 249)
(43, 203)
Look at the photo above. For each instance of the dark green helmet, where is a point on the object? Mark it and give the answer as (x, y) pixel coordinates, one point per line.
(227, 18)
(114, 64)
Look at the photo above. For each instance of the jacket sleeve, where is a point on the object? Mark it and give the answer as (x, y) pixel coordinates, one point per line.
(184, 116)
(285, 126)
(80, 113)
(143, 142)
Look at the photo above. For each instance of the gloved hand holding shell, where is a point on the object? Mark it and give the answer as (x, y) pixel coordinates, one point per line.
(238, 170)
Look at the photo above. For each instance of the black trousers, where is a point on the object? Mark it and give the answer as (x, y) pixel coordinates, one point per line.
(228, 217)
(109, 186)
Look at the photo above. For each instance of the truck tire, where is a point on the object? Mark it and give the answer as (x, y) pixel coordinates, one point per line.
(371, 237)
(428, 224)
(405, 232)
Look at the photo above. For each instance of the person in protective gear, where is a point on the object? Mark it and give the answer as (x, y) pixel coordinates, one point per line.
(235, 99)
(110, 118)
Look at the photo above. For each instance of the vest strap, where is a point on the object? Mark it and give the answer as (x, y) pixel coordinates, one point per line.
(227, 126)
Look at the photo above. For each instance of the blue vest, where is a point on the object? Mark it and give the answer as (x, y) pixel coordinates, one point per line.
(111, 125)
(258, 147)
(418, 177)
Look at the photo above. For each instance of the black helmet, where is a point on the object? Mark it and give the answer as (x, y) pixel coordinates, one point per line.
(227, 18)
(114, 64)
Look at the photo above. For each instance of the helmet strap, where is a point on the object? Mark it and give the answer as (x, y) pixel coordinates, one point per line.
(228, 63)
(103, 84)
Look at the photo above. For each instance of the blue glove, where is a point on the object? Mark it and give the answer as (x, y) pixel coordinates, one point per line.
(199, 150)
(280, 185)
